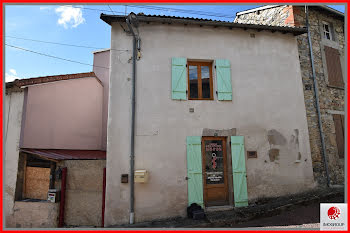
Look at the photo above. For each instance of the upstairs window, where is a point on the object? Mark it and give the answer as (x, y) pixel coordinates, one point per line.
(200, 81)
(194, 80)
(327, 31)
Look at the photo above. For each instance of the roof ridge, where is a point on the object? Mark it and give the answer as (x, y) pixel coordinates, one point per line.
(53, 78)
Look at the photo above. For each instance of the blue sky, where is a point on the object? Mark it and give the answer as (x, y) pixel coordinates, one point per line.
(79, 25)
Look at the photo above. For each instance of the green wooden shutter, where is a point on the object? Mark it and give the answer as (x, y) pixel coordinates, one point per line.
(178, 78)
(194, 170)
(239, 171)
(223, 77)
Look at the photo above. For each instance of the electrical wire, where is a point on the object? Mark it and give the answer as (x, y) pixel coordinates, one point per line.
(204, 13)
(110, 8)
(57, 43)
(48, 55)
(93, 9)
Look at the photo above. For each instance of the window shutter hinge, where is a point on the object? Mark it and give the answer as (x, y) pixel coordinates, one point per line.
(186, 65)
(215, 66)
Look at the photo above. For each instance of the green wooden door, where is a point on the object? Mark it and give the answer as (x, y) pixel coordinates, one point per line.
(239, 171)
(194, 170)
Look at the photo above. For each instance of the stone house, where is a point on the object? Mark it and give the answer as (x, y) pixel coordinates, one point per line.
(214, 121)
(327, 38)
(54, 145)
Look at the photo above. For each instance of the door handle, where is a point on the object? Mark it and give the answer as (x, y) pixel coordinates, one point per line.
(187, 178)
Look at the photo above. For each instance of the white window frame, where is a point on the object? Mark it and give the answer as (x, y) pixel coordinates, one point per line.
(325, 32)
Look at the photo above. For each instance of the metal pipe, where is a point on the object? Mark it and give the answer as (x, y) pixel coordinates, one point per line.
(63, 197)
(324, 154)
(132, 139)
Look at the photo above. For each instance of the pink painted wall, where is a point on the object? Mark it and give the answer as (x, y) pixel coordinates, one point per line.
(101, 59)
(64, 115)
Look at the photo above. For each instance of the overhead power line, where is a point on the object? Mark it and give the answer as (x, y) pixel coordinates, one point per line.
(205, 13)
(110, 9)
(94, 9)
(176, 10)
(58, 43)
(48, 55)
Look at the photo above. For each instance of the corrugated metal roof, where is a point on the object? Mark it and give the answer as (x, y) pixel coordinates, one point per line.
(178, 17)
(66, 154)
(200, 21)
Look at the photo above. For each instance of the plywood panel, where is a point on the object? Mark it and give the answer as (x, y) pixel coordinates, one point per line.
(37, 182)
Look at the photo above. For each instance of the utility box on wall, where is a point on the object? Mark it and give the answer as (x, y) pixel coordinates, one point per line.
(141, 176)
(53, 195)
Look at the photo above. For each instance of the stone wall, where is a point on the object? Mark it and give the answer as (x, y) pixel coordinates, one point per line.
(331, 99)
(276, 16)
(40, 214)
(84, 187)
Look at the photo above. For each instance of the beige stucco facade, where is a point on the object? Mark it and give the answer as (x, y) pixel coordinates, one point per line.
(12, 129)
(65, 114)
(267, 109)
(72, 118)
(331, 98)
(101, 69)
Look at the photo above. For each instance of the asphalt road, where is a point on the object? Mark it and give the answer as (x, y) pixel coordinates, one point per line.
(300, 217)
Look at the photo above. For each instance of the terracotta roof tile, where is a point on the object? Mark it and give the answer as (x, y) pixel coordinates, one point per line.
(54, 78)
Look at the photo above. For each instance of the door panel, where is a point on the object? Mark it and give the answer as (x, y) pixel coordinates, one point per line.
(194, 170)
(214, 171)
(239, 171)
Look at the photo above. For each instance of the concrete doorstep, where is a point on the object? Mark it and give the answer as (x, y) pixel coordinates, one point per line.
(257, 209)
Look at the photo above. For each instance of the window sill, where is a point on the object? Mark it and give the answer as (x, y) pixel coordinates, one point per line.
(331, 86)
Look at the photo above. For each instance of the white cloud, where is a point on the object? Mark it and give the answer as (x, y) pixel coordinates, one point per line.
(11, 76)
(13, 72)
(70, 16)
(43, 8)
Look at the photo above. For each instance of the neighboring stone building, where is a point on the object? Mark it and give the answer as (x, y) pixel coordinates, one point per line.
(327, 34)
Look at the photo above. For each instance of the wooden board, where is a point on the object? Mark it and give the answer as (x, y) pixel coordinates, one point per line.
(37, 182)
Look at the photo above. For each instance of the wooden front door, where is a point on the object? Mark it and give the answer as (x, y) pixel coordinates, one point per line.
(214, 171)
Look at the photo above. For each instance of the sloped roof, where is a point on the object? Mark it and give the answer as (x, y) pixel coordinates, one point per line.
(57, 155)
(48, 79)
(200, 21)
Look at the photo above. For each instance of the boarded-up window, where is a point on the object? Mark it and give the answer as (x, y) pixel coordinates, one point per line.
(335, 76)
(339, 131)
(37, 182)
